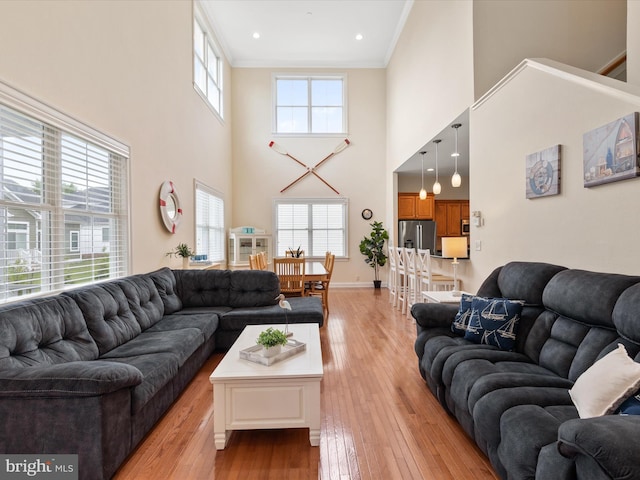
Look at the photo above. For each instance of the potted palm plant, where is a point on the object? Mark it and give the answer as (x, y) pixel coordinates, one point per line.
(373, 249)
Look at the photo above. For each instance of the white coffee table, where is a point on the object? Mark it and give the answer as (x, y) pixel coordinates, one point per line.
(286, 394)
(440, 296)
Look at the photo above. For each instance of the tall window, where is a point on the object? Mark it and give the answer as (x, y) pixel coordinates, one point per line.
(207, 66)
(210, 235)
(310, 105)
(61, 184)
(315, 225)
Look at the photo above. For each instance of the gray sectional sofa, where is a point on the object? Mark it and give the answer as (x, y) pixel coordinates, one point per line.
(90, 371)
(515, 403)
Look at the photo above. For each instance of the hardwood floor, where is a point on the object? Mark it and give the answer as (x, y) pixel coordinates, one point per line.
(379, 420)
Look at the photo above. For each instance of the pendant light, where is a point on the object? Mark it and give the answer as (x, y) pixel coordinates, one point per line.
(456, 180)
(423, 192)
(437, 188)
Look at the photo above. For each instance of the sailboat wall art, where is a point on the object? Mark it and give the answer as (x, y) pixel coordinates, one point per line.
(543, 173)
(610, 152)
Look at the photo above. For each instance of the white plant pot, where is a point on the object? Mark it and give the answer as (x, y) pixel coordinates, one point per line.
(185, 263)
(271, 351)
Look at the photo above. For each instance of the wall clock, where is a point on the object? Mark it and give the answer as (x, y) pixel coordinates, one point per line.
(367, 214)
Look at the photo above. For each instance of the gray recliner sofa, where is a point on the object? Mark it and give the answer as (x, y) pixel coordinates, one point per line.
(516, 404)
(90, 371)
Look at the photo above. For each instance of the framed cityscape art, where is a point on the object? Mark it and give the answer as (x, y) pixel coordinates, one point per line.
(610, 152)
(543, 173)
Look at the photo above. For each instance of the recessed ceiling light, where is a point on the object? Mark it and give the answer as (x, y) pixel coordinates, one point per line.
(359, 36)
(430, 169)
(256, 35)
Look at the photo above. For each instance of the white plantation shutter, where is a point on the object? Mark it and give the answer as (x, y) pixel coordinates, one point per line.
(314, 225)
(210, 236)
(63, 200)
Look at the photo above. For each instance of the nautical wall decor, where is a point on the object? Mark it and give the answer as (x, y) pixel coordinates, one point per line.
(310, 170)
(543, 173)
(610, 152)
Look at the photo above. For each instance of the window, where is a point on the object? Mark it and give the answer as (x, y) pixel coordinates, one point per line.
(315, 225)
(207, 66)
(210, 235)
(17, 235)
(74, 241)
(310, 105)
(61, 183)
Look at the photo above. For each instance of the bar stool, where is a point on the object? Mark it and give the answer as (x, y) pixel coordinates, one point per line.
(393, 274)
(401, 284)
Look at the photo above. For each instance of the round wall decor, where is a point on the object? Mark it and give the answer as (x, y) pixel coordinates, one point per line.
(367, 214)
(170, 206)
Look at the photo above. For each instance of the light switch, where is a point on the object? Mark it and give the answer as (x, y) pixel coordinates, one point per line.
(478, 245)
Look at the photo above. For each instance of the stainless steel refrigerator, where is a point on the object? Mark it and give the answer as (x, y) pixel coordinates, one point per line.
(417, 234)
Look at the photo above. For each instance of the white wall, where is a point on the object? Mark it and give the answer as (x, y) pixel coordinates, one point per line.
(124, 68)
(633, 42)
(584, 34)
(534, 108)
(259, 173)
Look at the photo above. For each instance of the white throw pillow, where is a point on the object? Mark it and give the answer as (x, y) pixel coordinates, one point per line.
(606, 384)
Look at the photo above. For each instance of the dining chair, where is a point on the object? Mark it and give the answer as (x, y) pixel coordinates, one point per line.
(321, 288)
(290, 272)
(253, 262)
(262, 260)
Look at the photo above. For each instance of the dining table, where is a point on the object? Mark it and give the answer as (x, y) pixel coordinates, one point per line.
(314, 271)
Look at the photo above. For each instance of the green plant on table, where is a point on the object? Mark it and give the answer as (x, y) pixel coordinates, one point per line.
(271, 337)
(182, 250)
(297, 253)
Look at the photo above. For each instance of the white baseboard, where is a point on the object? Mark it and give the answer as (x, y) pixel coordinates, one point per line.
(368, 284)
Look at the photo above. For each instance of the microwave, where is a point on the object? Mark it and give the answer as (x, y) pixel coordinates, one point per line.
(465, 228)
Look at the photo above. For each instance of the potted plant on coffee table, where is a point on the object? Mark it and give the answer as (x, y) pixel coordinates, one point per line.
(373, 248)
(182, 250)
(272, 341)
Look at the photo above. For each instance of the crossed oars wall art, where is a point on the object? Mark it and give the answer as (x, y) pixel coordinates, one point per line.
(310, 170)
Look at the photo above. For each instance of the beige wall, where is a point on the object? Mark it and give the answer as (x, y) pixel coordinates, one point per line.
(589, 228)
(429, 77)
(412, 183)
(584, 34)
(259, 173)
(124, 68)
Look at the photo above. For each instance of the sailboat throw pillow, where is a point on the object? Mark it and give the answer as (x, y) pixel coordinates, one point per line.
(494, 321)
(461, 321)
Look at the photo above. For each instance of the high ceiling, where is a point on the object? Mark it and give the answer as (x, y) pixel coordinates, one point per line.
(307, 33)
(322, 33)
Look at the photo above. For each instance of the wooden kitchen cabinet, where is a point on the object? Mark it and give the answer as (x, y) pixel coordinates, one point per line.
(410, 207)
(448, 215)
